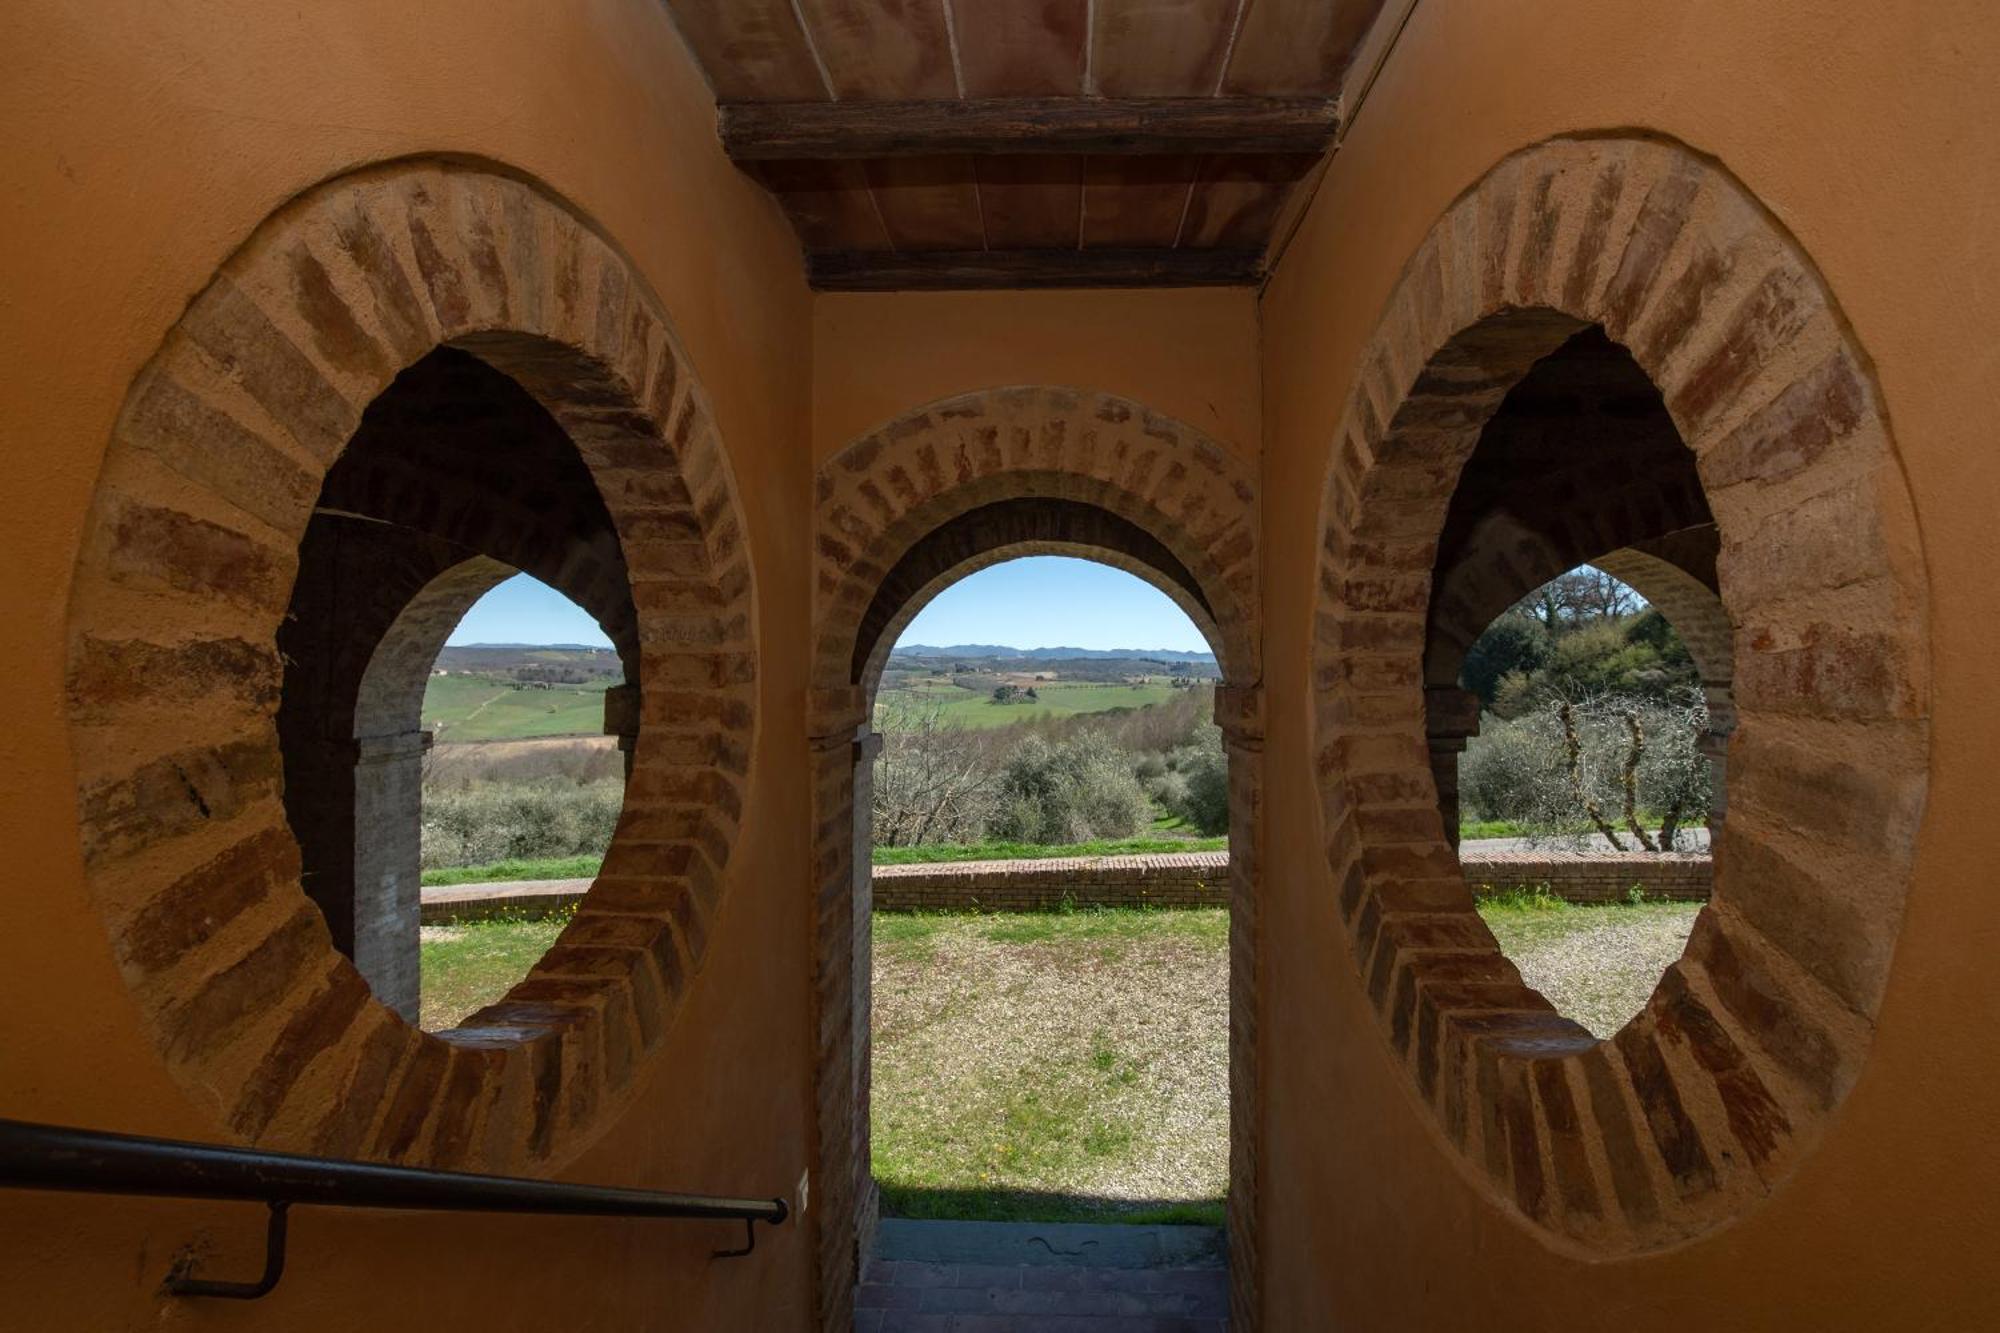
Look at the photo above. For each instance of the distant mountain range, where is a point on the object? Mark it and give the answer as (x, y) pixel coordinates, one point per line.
(1002, 651)
(519, 647)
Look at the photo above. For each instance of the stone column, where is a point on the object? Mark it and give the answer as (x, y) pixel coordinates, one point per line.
(388, 865)
(1714, 746)
(1239, 713)
(1451, 718)
(845, 1204)
(868, 1209)
(621, 719)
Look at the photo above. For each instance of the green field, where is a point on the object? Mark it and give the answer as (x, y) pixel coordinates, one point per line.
(969, 708)
(491, 708)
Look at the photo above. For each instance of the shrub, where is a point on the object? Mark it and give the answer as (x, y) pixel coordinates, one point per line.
(490, 822)
(1170, 789)
(1520, 769)
(1200, 794)
(1070, 791)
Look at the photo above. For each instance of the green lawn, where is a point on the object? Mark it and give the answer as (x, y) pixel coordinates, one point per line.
(930, 853)
(554, 867)
(489, 708)
(1073, 1066)
(1062, 1066)
(968, 708)
(585, 867)
(465, 968)
(1469, 829)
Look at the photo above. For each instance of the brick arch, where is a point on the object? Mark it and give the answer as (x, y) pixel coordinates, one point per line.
(458, 451)
(390, 697)
(882, 494)
(904, 511)
(1009, 530)
(224, 442)
(1692, 607)
(1707, 1100)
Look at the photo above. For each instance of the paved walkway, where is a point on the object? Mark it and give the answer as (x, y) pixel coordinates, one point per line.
(1027, 1277)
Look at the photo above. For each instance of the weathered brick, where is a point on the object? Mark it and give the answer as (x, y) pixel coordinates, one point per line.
(152, 546)
(107, 676)
(314, 1029)
(167, 797)
(246, 989)
(198, 904)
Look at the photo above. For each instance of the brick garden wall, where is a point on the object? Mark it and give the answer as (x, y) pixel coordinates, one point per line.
(1201, 879)
(1580, 877)
(1188, 879)
(1178, 879)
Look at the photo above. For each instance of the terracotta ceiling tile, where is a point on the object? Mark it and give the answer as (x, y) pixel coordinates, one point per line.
(1135, 201)
(883, 49)
(1022, 48)
(1030, 203)
(928, 203)
(1160, 48)
(1238, 198)
(751, 50)
(828, 203)
(1296, 47)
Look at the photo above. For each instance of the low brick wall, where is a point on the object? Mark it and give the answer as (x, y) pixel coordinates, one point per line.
(1182, 879)
(1593, 877)
(1179, 879)
(524, 900)
(1201, 879)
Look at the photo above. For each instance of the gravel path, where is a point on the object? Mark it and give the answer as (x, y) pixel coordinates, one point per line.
(1065, 1065)
(1084, 1055)
(1597, 965)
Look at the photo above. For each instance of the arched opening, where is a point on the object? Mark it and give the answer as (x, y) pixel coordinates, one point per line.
(948, 490)
(1049, 979)
(1593, 735)
(331, 394)
(1638, 372)
(455, 480)
(522, 784)
(1048, 1017)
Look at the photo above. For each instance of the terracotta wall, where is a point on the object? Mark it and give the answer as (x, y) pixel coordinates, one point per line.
(141, 143)
(1864, 129)
(1189, 354)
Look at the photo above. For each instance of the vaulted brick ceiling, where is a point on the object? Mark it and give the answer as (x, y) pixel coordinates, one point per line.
(1018, 211)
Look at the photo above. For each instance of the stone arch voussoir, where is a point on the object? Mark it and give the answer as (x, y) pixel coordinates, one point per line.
(187, 566)
(1704, 1102)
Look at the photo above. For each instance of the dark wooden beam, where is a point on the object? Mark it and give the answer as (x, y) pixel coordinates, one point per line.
(772, 131)
(963, 270)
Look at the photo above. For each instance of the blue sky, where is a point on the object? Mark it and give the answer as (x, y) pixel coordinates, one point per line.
(1049, 601)
(526, 610)
(1037, 602)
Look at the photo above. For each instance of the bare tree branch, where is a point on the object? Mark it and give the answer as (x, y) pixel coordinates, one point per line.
(1573, 752)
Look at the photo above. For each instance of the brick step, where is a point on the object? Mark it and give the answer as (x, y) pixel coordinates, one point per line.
(901, 1296)
(985, 1277)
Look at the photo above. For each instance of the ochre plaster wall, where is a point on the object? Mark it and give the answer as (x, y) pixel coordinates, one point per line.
(1864, 130)
(1190, 354)
(139, 145)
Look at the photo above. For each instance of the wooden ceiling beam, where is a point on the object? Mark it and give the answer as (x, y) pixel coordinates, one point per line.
(776, 131)
(972, 270)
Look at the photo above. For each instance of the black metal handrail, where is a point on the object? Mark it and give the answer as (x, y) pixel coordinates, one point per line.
(55, 1157)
